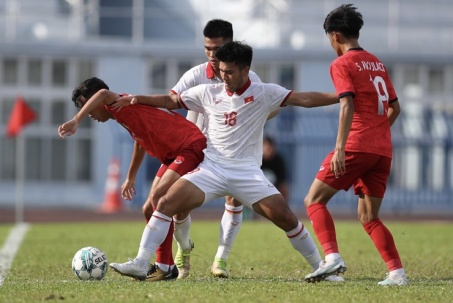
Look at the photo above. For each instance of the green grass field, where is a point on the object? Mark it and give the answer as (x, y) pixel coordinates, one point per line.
(263, 265)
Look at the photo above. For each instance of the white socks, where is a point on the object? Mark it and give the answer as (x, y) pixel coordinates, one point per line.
(154, 234)
(229, 228)
(182, 232)
(302, 241)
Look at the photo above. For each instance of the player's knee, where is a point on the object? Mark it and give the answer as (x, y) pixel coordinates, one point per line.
(165, 206)
(308, 201)
(147, 209)
(366, 217)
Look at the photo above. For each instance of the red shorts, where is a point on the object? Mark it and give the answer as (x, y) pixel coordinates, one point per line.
(367, 172)
(187, 160)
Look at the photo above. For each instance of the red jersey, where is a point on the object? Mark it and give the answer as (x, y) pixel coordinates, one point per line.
(362, 75)
(162, 133)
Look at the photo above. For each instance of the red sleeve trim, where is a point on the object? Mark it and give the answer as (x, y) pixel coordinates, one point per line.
(182, 102)
(286, 98)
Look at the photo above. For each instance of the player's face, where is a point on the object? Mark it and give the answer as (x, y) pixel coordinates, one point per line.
(99, 114)
(211, 46)
(233, 76)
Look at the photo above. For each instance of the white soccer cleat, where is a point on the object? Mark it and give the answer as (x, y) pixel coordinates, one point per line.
(334, 278)
(182, 261)
(130, 269)
(219, 268)
(394, 281)
(326, 269)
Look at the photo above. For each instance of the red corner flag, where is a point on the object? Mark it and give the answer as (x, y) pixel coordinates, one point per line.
(21, 115)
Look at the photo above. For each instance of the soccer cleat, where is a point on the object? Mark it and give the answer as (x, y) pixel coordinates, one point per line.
(157, 274)
(326, 269)
(334, 278)
(394, 281)
(174, 272)
(219, 268)
(182, 261)
(130, 269)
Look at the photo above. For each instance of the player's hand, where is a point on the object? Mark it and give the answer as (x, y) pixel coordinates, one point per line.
(124, 101)
(337, 163)
(128, 189)
(69, 128)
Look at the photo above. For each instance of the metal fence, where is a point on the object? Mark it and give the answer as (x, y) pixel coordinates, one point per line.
(421, 180)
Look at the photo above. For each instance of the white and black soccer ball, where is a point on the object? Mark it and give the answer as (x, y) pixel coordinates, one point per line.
(90, 263)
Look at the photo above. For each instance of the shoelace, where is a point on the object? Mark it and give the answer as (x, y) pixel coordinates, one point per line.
(221, 263)
(152, 269)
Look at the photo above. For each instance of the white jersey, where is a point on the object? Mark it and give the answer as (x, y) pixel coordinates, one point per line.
(235, 121)
(201, 74)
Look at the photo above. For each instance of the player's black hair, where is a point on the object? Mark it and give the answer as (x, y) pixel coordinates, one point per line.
(87, 89)
(346, 20)
(235, 52)
(218, 28)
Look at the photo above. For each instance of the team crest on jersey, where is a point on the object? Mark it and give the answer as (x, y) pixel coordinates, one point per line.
(248, 99)
(217, 101)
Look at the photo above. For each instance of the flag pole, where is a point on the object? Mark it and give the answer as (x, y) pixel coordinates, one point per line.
(20, 177)
(21, 115)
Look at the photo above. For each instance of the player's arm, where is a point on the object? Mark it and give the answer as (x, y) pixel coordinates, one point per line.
(311, 99)
(393, 111)
(337, 163)
(104, 96)
(128, 187)
(162, 101)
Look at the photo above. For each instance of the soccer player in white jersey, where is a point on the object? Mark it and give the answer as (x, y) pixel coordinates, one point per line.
(216, 33)
(237, 111)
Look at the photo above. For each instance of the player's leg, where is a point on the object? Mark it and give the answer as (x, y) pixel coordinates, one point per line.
(183, 222)
(190, 158)
(275, 209)
(323, 225)
(250, 186)
(148, 206)
(182, 196)
(229, 227)
(371, 189)
(323, 188)
(164, 267)
(368, 210)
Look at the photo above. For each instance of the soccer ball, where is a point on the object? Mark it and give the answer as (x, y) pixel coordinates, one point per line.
(90, 263)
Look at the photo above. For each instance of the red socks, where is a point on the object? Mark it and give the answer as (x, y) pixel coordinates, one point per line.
(164, 253)
(383, 240)
(324, 227)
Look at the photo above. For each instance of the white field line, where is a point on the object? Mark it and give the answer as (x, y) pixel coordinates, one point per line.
(10, 248)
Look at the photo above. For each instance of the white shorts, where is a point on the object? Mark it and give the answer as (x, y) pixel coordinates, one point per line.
(245, 183)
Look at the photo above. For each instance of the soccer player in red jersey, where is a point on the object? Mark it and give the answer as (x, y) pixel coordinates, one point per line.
(175, 141)
(363, 151)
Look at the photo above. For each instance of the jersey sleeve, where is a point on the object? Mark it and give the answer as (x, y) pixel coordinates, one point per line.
(185, 82)
(341, 79)
(191, 98)
(276, 94)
